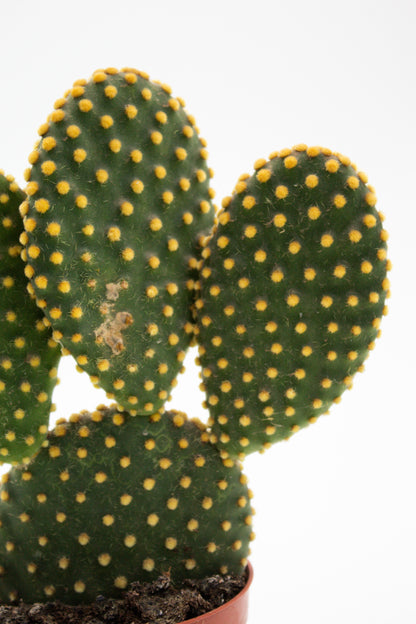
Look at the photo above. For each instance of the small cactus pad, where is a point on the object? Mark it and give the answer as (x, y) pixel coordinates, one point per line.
(114, 499)
(28, 355)
(119, 201)
(293, 288)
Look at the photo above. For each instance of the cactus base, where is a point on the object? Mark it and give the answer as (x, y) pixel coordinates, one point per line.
(213, 600)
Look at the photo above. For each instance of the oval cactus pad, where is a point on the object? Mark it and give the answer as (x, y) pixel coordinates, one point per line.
(293, 288)
(119, 200)
(115, 499)
(28, 355)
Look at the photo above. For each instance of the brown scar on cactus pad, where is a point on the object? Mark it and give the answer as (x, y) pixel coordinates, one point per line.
(113, 290)
(118, 194)
(111, 331)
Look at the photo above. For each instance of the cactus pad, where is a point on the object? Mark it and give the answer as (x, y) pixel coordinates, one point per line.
(293, 288)
(119, 200)
(28, 355)
(114, 499)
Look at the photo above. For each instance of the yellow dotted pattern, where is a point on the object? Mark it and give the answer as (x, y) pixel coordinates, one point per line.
(145, 525)
(28, 355)
(130, 172)
(293, 286)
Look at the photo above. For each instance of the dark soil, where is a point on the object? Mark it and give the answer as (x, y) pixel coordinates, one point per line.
(148, 603)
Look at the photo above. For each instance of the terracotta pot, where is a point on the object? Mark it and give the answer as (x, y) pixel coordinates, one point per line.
(234, 611)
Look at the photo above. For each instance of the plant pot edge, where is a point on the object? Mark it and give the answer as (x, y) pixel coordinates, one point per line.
(235, 611)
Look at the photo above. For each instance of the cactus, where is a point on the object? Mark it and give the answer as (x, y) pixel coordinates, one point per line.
(284, 294)
(28, 355)
(113, 497)
(292, 291)
(118, 201)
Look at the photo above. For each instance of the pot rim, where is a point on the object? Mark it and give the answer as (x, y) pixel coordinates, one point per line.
(200, 618)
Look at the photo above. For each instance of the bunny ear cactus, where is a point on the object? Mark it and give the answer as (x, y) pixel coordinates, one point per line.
(119, 201)
(292, 291)
(118, 238)
(28, 355)
(115, 497)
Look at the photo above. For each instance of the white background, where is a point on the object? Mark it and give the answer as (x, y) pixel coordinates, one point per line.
(336, 514)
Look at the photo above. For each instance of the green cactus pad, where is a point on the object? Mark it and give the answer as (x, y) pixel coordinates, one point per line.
(293, 288)
(114, 499)
(119, 200)
(28, 355)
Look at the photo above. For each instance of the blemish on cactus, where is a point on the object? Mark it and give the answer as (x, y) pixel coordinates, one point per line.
(125, 172)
